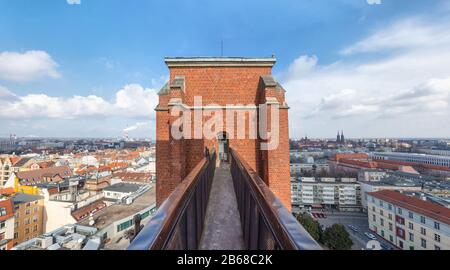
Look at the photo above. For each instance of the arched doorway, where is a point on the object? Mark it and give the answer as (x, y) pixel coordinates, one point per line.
(222, 139)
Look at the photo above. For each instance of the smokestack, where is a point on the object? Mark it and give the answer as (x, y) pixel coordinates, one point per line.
(137, 224)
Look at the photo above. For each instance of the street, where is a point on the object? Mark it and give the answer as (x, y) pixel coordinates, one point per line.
(358, 220)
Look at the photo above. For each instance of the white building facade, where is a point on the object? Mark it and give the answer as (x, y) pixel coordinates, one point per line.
(341, 194)
(409, 223)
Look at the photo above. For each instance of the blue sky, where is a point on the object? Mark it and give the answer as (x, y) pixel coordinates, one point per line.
(89, 69)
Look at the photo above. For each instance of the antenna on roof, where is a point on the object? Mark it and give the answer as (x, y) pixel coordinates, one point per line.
(221, 47)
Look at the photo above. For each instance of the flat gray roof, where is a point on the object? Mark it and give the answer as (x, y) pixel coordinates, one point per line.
(220, 61)
(104, 217)
(20, 198)
(123, 187)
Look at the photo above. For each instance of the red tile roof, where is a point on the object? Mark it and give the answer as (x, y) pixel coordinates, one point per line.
(6, 191)
(413, 164)
(362, 156)
(8, 205)
(37, 176)
(133, 176)
(414, 204)
(85, 211)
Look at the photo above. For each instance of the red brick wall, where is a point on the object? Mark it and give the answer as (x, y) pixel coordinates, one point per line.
(221, 86)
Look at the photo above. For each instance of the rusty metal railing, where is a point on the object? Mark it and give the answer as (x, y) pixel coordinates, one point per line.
(266, 223)
(178, 223)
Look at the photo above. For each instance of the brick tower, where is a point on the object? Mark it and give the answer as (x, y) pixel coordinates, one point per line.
(241, 85)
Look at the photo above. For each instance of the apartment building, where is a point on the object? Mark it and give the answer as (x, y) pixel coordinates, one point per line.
(10, 165)
(387, 183)
(6, 223)
(29, 217)
(371, 175)
(343, 194)
(408, 222)
(298, 168)
(415, 158)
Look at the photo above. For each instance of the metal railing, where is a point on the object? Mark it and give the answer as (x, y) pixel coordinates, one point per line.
(266, 223)
(178, 223)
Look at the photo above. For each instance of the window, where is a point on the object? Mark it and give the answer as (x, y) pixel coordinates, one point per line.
(390, 226)
(400, 243)
(411, 237)
(381, 203)
(35, 227)
(373, 208)
(437, 248)
(411, 215)
(374, 218)
(27, 231)
(27, 221)
(2, 236)
(411, 226)
(382, 222)
(2, 224)
(437, 225)
(381, 212)
(27, 212)
(391, 238)
(390, 206)
(423, 243)
(411, 247)
(423, 231)
(16, 235)
(437, 237)
(35, 219)
(2, 211)
(400, 211)
(382, 233)
(124, 225)
(35, 209)
(422, 219)
(16, 224)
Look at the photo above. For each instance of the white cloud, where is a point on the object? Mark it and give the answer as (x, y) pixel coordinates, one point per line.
(374, 2)
(130, 102)
(27, 66)
(139, 125)
(408, 84)
(6, 94)
(74, 2)
(405, 34)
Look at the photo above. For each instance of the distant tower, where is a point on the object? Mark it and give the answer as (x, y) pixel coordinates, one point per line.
(338, 137)
(342, 137)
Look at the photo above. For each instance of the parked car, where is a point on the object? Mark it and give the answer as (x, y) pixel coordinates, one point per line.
(353, 228)
(370, 236)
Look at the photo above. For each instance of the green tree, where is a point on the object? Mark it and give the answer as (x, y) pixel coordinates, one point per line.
(311, 226)
(337, 238)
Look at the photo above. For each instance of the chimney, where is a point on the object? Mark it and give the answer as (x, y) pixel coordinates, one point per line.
(137, 224)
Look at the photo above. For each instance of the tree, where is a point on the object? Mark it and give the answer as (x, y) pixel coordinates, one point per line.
(337, 238)
(311, 226)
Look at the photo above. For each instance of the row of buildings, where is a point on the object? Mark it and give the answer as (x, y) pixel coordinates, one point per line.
(101, 200)
(405, 196)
